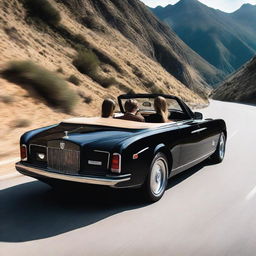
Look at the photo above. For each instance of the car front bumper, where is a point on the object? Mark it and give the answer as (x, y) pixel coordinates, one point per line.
(38, 172)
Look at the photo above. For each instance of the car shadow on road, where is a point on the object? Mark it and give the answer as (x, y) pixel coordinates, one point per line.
(33, 210)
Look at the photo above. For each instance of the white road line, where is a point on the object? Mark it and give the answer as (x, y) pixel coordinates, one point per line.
(232, 135)
(251, 194)
(8, 161)
(9, 176)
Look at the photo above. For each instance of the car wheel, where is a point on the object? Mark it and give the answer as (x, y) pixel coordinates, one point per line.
(218, 155)
(155, 184)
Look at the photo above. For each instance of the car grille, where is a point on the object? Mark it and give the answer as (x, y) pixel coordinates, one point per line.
(70, 159)
(65, 161)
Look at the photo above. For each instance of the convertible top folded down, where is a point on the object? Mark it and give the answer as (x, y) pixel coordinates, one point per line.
(112, 122)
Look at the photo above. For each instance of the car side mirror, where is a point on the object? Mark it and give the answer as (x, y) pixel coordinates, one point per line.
(198, 116)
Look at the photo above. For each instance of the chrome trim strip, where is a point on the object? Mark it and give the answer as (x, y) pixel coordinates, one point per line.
(183, 122)
(72, 150)
(81, 179)
(142, 151)
(194, 160)
(106, 152)
(92, 162)
(199, 130)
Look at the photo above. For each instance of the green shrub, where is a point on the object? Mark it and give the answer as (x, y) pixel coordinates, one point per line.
(125, 88)
(74, 80)
(76, 41)
(44, 10)
(86, 99)
(46, 83)
(104, 57)
(7, 99)
(137, 72)
(60, 70)
(91, 23)
(156, 90)
(149, 84)
(19, 123)
(105, 82)
(86, 62)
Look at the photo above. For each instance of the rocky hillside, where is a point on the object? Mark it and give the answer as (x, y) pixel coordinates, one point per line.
(80, 52)
(133, 19)
(226, 40)
(240, 87)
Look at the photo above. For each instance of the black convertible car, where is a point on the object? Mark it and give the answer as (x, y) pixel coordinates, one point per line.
(123, 154)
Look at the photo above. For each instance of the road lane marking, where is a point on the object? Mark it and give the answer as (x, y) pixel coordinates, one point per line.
(8, 161)
(232, 135)
(251, 194)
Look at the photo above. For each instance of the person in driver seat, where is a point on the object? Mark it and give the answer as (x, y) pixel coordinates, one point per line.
(131, 111)
(108, 108)
(161, 115)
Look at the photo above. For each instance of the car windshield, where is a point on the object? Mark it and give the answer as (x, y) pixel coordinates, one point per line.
(147, 104)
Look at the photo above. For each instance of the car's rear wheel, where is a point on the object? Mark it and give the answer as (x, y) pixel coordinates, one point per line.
(156, 181)
(218, 155)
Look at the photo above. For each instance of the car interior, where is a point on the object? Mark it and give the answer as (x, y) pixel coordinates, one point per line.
(146, 108)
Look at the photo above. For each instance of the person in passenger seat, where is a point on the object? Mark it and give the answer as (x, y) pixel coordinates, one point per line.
(131, 111)
(161, 115)
(108, 108)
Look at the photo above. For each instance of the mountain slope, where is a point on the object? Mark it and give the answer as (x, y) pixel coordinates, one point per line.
(240, 87)
(223, 39)
(246, 15)
(54, 47)
(133, 19)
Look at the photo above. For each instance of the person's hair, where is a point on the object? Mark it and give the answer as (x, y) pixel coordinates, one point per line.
(130, 105)
(160, 105)
(108, 107)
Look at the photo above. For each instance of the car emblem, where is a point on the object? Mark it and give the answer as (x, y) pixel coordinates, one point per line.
(66, 135)
(62, 145)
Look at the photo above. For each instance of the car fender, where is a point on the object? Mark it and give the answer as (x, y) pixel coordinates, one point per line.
(163, 148)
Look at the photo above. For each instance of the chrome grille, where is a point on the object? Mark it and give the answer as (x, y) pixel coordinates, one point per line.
(64, 160)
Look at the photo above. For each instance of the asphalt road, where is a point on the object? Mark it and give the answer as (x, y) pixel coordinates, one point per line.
(207, 210)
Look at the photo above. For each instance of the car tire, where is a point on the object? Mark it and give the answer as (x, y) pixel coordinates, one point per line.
(156, 181)
(218, 155)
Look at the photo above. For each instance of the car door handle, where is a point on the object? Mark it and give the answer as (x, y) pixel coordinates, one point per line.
(199, 130)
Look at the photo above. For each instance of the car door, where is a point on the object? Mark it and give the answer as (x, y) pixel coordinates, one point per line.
(189, 141)
(208, 137)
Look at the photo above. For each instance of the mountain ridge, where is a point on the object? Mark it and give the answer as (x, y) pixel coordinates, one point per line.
(240, 87)
(223, 39)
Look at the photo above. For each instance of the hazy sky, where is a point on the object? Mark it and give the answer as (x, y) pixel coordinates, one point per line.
(224, 5)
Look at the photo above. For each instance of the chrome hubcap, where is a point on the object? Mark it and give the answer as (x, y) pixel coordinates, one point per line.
(158, 177)
(222, 146)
